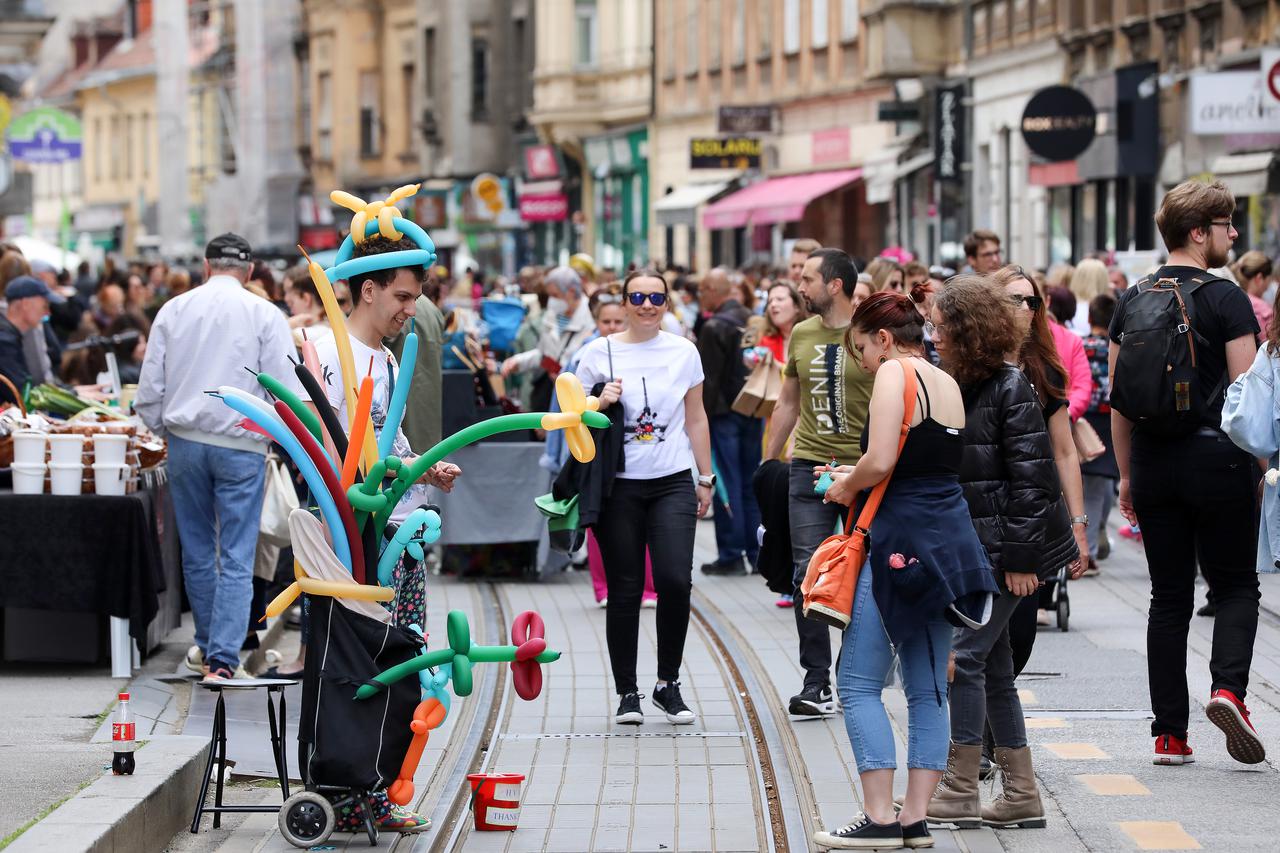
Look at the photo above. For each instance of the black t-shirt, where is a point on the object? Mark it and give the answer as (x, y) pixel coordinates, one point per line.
(1220, 312)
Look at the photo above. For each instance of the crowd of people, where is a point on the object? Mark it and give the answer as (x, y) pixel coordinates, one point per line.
(1032, 400)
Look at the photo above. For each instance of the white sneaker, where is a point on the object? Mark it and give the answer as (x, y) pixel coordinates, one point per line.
(649, 603)
(603, 603)
(195, 661)
(214, 678)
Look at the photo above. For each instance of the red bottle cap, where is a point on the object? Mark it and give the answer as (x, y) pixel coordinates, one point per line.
(124, 697)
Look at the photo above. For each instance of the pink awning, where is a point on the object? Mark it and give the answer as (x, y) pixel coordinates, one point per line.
(775, 200)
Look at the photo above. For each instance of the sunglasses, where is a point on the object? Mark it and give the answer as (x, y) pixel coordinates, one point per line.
(1033, 302)
(655, 299)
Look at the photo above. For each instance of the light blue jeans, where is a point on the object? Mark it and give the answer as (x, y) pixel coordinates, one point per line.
(866, 659)
(217, 504)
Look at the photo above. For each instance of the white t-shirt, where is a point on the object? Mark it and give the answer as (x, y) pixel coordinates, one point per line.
(385, 367)
(655, 377)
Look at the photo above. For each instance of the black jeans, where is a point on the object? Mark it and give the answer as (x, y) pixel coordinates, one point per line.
(660, 514)
(811, 522)
(1195, 500)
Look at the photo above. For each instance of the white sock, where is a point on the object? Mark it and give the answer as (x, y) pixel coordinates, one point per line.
(660, 685)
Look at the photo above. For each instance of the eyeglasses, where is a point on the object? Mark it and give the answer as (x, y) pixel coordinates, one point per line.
(1033, 302)
(932, 329)
(655, 299)
(1225, 223)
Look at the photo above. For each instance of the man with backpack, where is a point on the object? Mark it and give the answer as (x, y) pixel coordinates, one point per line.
(1178, 338)
(735, 438)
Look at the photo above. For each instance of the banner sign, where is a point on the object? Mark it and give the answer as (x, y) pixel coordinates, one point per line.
(734, 152)
(45, 135)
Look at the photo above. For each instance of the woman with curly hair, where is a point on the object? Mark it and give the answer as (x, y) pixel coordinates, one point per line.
(1011, 485)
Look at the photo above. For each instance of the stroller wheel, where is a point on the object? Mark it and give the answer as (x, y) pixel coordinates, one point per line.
(1064, 610)
(306, 819)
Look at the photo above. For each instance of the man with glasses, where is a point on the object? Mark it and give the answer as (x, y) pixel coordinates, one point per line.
(982, 251)
(1192, 491)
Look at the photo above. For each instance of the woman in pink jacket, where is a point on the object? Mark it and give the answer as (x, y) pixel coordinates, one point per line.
(1062, 308)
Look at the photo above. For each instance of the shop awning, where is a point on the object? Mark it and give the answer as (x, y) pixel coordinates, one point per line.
(775, 200)
(1243, 174)
(680, 207)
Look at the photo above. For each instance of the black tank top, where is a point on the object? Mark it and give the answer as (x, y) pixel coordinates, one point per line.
(931, 449)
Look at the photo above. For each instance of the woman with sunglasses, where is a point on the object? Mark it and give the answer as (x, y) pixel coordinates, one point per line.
(657, 379)
(1038, 357)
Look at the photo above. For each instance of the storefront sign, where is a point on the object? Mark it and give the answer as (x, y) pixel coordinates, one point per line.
(1059, 123)
(45, 135)
(430, 209)
(733, 152)
(1232, 102)
(541, 163)
(831, 146)
(948, 133)
(1271, 74)
(544, 207)
(745, 118)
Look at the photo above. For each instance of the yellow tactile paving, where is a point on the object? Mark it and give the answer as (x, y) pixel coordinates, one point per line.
(1075, 751)
(1046, 723)
(1114, 785)
(1027, 697)
(1159, 835)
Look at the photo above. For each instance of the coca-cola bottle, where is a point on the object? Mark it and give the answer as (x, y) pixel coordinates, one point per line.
(122, 738)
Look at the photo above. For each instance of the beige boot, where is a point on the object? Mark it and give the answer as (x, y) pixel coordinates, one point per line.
(1019, 803)
(956, 800)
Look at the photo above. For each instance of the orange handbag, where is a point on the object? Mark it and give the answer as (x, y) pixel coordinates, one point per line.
(834, 568)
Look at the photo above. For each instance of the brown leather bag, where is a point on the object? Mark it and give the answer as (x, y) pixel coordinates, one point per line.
(1089, 444)
(833, 570)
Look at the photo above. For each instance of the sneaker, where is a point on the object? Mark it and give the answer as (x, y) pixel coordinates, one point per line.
(649, 603)
(916, 834)
(1172, 752)
(1130, 532)
(1210, 609)
(403, 821)
(667, 699)
(1104, 544)
(195, 661)
(603, 603)
(862, 834)
(726, 569)
(785, 601)
(815, 700)
(1229, 714)
(220, 672)
(629, 713)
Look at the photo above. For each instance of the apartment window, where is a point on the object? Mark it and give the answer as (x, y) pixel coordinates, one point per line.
(739, 24)
(1139, 43)
(764, 25)
(819, 14)
(144, 146)
(791, 26)
(584, 28)
(714, 23)
(1208, 42)
(1021, 15)
(479, 79)
(1102, 11)
(98, 149)
(115, 148)
(370, 120)
(690, 29)
(324, 116)
(429, 62)
(406, 93)
(669, 27)
(128, 148)
(848, 20)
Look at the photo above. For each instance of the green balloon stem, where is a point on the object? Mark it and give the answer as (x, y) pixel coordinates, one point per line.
(309, 418)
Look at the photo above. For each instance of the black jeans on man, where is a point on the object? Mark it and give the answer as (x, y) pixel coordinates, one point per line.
(811, 522)
(1195, 500)
(662, 515)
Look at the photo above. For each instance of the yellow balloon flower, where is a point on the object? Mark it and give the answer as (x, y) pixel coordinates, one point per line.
(384, 211)
(574, 403)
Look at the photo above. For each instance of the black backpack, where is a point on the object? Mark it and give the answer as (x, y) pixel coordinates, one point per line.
(1156, 383)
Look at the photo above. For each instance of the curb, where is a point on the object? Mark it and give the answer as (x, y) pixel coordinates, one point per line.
(140, 813)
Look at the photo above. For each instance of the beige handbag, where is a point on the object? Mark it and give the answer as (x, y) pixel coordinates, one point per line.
(1089, 445)
(761, 390)
(279, 501)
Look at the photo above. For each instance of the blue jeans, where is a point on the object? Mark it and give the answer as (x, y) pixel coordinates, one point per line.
(865, 661)
(735, 442)
(217, 504)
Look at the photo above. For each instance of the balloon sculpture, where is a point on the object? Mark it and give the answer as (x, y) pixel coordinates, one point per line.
(347, 555)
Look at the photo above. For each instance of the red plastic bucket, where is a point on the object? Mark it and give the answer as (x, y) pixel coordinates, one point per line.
(495, 800)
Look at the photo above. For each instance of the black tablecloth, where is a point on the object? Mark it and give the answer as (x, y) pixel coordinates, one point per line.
(85, 554)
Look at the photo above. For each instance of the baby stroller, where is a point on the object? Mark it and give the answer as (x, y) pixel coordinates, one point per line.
(1055, 598)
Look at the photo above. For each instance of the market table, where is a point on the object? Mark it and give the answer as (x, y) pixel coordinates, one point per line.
(114, 556)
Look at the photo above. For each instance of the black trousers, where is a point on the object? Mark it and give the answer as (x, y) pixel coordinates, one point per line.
(1195, 499)
(660, 514)
(812, 521)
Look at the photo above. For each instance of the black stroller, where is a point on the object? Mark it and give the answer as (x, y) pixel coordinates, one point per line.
(348, 748)
(1055, 598)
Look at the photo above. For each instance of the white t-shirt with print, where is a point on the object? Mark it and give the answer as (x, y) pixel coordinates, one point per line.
(385, 367)
(655, 377)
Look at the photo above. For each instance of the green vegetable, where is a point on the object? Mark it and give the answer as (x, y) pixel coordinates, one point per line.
(51, 398)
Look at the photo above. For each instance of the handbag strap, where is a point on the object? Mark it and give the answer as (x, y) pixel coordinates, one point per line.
(877, 494)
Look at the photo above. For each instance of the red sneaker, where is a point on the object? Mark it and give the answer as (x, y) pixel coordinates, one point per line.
(1172, 751)
(1229, 714)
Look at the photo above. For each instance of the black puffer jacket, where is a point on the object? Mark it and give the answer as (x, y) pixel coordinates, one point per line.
(1010, 479)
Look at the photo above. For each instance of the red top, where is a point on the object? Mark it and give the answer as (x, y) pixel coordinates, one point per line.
(775, 345)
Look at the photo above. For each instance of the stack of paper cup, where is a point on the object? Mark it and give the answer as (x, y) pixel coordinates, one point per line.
(110, 479)
(28, 462)
(66, 464)
(109, 448)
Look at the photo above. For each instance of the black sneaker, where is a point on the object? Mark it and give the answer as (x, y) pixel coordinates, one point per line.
(815, 700)
(667, 699)
(629, 713)
(916, 834)
(730, 568)
(862, 834)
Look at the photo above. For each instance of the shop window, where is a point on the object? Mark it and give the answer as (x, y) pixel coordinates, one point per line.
(585, 33)
(370, 121)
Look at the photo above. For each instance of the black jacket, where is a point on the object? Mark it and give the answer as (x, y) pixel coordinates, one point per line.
(1010, 479)
(13, 362)
(593, 482)
(720, 345)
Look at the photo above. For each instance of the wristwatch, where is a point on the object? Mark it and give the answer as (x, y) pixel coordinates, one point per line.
(1080, 519)
(708, 480)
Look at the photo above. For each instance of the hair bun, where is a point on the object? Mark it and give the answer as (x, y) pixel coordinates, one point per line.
(920, 292)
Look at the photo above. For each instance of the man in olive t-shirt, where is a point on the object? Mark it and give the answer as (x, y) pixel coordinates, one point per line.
(825, 396)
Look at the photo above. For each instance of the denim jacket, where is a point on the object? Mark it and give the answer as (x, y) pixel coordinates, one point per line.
(1251, 419)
